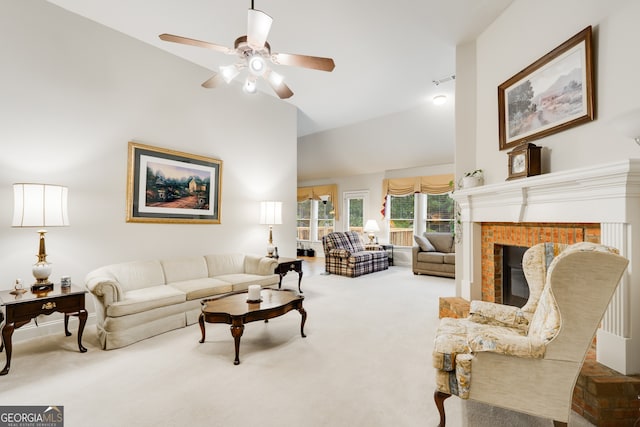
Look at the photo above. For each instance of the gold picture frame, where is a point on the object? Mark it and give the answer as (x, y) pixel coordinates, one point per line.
(167, 186)
(552, 94)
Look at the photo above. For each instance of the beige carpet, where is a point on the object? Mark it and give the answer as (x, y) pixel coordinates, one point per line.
(366, 361)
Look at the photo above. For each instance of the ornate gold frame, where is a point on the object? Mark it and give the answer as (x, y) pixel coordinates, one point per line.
(185, 188)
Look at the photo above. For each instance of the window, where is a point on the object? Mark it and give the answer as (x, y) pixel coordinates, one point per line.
(314, 219)
(325, 218)
(401, 219)
(303, 219)
(440, 212)
(415, 213)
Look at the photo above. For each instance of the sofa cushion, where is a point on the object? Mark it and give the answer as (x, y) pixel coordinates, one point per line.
(424, 243)
(136, 275)
(140, 300)
(443, 242)
(432, 257)
(241, 282)
(449, 258)
(356, 241)
(218, 264)
(202, 288)
(181, 269)
(339, 241)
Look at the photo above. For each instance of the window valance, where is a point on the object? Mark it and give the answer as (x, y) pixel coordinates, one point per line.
(314, 193)
(432, 184)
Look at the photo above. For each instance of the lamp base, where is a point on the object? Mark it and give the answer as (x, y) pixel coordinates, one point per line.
(40, 287)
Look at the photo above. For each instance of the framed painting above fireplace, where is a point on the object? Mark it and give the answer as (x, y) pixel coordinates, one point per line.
(552, 94)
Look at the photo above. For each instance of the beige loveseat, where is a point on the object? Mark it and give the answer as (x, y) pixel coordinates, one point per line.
(436, 256)
(140, 299)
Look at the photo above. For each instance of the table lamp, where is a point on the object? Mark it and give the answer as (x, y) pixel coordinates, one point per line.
(270, 214)
(40, 205)
(371, 227)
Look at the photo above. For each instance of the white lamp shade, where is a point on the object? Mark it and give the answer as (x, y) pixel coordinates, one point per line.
(270, 213)
(40, 205)
(371, 226)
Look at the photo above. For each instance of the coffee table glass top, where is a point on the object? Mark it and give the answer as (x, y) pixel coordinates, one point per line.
(236, 304)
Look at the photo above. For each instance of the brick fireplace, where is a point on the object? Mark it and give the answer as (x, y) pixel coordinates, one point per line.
(494, 236)
(599, 204)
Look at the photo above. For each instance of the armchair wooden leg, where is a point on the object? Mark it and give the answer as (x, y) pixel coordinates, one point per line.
(559, 424)
(439, 398)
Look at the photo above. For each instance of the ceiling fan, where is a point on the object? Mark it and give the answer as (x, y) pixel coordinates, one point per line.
(254, 51)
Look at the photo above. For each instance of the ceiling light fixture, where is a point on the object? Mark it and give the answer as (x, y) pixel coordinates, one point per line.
(257, 66)
(439, 99)
(250, 85)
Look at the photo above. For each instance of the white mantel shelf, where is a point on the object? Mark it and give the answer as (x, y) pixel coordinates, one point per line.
(591, 194)
(607, 194)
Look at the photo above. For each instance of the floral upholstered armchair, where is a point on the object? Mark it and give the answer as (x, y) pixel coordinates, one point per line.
(528, 359)
(345, 254)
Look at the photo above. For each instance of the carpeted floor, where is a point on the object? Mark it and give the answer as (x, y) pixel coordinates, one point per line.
(366, 361)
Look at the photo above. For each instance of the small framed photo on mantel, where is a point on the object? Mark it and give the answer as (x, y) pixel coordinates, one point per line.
(168, 186)
(552, 94)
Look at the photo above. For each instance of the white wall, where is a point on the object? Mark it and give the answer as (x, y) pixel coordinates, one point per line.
(416, 137)
(525, 32)
(73, 93)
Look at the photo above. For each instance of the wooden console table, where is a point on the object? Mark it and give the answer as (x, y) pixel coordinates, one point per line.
(20, 309)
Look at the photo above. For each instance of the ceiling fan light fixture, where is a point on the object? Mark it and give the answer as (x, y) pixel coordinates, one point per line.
(275, 78)
(257, 65)
(250, 86)
(229, 72)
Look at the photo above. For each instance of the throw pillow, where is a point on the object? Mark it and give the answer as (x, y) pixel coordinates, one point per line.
(424, 243)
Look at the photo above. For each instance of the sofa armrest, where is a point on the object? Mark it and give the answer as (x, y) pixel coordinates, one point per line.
(339, 253)
(261, 265)
(490, 313)
(105, 289)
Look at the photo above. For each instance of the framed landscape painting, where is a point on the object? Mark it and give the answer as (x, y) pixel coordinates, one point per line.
(552, 94)
(172, 187)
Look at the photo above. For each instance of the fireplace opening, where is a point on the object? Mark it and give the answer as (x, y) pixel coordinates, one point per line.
(515, 289)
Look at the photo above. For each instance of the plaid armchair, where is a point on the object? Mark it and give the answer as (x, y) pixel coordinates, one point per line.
(345, 255)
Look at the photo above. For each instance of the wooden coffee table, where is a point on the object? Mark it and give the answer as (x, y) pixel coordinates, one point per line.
(233, 309)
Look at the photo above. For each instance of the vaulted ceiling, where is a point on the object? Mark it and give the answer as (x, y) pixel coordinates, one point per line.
(387, 53)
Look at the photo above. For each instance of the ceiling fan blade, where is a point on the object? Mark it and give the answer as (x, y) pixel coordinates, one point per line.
(213, 81)
(194, 42)
(282, 90)
(258, 27)
(314, 62)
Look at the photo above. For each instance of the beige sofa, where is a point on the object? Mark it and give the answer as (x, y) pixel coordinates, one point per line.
(140, 299)
(437, 257)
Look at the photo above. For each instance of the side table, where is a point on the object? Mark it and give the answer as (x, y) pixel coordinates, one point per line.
(288, 264)
(22, 307)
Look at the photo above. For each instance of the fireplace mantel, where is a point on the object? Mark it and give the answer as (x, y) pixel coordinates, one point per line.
(607, 194)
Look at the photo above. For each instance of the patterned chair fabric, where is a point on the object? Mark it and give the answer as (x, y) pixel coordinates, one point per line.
(345, 255)
(512, 331)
